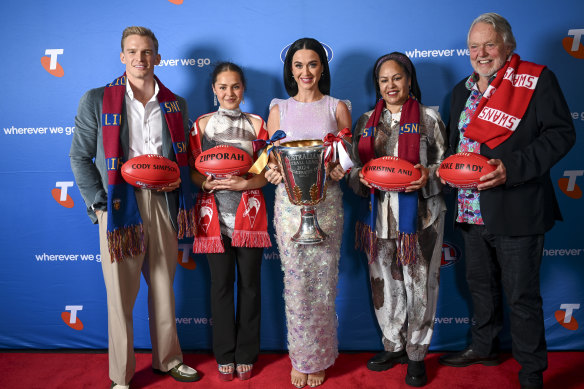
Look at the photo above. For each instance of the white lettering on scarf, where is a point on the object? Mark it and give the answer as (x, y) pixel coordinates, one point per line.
(499, 118)
(520, 80)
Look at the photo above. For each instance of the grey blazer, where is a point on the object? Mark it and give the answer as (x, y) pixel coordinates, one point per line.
(87, 153)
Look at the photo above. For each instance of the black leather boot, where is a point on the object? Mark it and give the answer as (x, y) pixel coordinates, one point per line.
(416, 375)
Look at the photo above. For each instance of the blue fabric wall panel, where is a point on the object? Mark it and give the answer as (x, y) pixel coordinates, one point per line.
(51, 269)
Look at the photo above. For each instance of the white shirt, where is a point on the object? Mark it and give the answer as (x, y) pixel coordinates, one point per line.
(145, 124)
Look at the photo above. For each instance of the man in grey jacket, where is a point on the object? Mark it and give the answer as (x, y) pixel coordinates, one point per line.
(125, 119)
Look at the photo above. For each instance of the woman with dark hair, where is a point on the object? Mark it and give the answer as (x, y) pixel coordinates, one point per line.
(231, 244)
(310, 271)
(401, 232)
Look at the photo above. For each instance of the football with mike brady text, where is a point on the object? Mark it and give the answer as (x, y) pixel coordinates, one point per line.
(150, 171)
(464, 170)
(223, 160)
(390, 173)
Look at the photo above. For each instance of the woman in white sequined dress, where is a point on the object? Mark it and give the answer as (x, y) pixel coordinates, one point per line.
(310, 271)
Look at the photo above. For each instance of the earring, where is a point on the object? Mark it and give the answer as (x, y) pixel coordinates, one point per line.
(214, 99)
(243, 100)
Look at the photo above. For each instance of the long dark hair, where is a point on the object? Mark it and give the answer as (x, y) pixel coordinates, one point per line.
(406, 65)
(324, 84)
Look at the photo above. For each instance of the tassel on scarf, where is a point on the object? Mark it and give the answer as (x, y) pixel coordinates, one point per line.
(250, 239)
(208, 245)
(187, 223)
(125, 242)
(366, 240)
(406, 248)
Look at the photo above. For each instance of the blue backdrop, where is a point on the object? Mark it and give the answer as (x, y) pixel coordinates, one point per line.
(51, 280)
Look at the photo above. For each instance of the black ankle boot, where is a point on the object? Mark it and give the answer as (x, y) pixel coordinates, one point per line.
(416, 375)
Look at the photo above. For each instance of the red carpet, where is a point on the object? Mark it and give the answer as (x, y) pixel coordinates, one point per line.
(89, 370)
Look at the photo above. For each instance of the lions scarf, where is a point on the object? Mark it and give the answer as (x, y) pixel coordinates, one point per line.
(504, 102)
(408, 149)
(125, 233)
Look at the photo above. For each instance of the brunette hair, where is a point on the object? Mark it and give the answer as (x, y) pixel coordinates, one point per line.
(324, 84)
(227, 67)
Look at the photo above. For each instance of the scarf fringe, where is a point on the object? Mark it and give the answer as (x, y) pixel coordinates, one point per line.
(208, 245)
(406, 248)
(187, 223)
(243, 238)
(125, 242)
(366, 240)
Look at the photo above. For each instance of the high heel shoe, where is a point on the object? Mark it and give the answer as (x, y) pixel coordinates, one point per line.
(226, 375)
(244, 375)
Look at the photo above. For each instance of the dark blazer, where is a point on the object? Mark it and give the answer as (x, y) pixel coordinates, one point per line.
(87, 153)
(526, 204)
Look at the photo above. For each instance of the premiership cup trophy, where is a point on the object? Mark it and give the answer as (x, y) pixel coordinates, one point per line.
(303, 168)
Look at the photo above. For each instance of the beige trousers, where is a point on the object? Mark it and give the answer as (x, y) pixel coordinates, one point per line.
(122, 282)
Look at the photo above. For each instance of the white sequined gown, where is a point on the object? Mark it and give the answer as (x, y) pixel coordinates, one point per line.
(310, 271)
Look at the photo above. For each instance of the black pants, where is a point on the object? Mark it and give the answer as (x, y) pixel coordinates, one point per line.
(236, 337)
(509, 263)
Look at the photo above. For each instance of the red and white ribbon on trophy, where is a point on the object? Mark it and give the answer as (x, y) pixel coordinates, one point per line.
(336, 148)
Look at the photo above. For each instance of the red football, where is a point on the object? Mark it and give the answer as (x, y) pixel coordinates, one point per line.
(223, 160)
(390, 173)
(150, 171)
(463, 170)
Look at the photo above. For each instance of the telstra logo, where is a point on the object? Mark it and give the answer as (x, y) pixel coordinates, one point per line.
(177, 2)
(70, 318)
(327, 49)
(572, 43)
(184, 259)
(60, 193)
(50, 63)
(450, 254)
(565, 317)
(568, 184)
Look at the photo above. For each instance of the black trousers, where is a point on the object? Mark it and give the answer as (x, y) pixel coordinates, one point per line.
(236, 336)
(496, 263)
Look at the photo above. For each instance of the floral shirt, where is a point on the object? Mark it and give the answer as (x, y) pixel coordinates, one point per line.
(469, 209)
